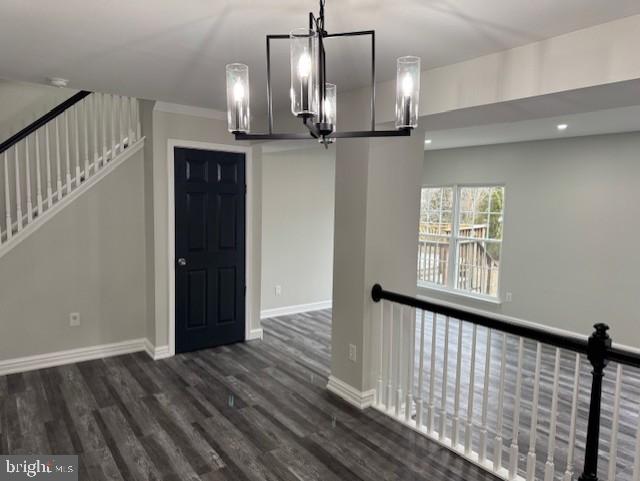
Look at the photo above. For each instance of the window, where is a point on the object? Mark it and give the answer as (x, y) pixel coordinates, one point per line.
(460, 238)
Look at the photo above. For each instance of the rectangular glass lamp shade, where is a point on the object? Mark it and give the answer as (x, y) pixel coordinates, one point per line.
(407, 92)
(304, 71)
(238, 97)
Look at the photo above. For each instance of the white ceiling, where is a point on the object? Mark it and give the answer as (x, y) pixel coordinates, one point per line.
(175, 50)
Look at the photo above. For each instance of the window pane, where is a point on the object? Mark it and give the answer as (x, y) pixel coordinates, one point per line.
(478, 266)
(436, 219)
(481, 212)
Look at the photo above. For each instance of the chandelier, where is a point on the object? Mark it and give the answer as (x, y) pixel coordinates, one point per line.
(313, 99)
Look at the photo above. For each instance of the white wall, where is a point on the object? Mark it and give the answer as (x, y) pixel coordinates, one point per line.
(571, 226)
(297, 226)
(89, 259)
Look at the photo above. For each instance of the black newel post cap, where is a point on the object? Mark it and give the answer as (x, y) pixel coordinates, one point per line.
(376, 293)
(599, 345)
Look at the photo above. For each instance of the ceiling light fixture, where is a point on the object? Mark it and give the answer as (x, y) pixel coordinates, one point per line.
(313, 99)
(562, 127)
(427, 142)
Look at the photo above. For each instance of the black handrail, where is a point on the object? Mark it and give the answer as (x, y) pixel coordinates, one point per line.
(49, 116)
(546, 337)
(598, 349)
(577, 344)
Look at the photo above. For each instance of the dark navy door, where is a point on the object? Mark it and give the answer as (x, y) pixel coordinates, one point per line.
(210, 248)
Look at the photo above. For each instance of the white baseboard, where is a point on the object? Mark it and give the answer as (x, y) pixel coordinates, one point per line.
(156, 353)
(254, 334)
(39, 361)
(359, 399)
(296, 309)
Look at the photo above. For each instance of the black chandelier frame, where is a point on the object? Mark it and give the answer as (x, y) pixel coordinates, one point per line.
(318, 130)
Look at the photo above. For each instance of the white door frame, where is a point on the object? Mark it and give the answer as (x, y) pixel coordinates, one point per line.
(190, 144)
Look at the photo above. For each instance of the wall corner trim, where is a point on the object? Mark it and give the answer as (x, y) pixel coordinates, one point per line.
(295, 309)
(156, 353)
(359, 399)
(59, 358)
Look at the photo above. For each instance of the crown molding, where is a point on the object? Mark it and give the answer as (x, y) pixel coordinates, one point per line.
(202, 112)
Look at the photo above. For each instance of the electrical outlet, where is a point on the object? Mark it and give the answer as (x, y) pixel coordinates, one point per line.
(352, 352)
(278, 290)
(74, 319)
(509, 297)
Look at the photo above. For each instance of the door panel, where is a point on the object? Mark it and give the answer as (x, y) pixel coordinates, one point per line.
(210, 238)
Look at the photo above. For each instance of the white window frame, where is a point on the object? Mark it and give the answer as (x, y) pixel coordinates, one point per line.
(454, 238)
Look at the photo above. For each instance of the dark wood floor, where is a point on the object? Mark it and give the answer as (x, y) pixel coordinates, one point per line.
(254, 411)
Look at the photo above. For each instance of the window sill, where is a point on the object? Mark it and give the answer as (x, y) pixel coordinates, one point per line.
(460, 294)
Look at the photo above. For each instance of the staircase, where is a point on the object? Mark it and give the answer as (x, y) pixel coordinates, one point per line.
(51, 162)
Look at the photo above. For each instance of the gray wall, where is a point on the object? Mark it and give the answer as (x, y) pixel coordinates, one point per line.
(90, 258)
(571, 225)
(297, 226)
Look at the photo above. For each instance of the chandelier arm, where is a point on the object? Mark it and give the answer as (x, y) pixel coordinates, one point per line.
(405, 132)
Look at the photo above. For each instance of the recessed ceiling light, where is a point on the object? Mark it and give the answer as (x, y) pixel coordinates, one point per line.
(427, 142)
(562, 126)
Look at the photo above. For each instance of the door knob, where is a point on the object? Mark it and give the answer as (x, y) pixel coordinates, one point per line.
(182, 262)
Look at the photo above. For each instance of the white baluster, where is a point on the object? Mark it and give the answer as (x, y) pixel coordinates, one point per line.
(126, 120)
(468, 435)
(390, 361)
(379, 399)
(138, 128)
(58, 164)
(456, 400)
(410, 364)
(114, 103)
(531, 456)
(48, 165)
(419, 401)
(549, 467)
(7, 197)
(132, 120)
(398, 362)
(485, 399)
(18, 191)
(445, 376)
(613, 446)
(67, 153)
(95, 108)
(76, 136)
(39, 199)
(85, 130)
(122, 128)
(432, 376)
(104, 120)
(636, 461)
(28, 180)
(513, 456)
(497, 446)
(568, 474)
